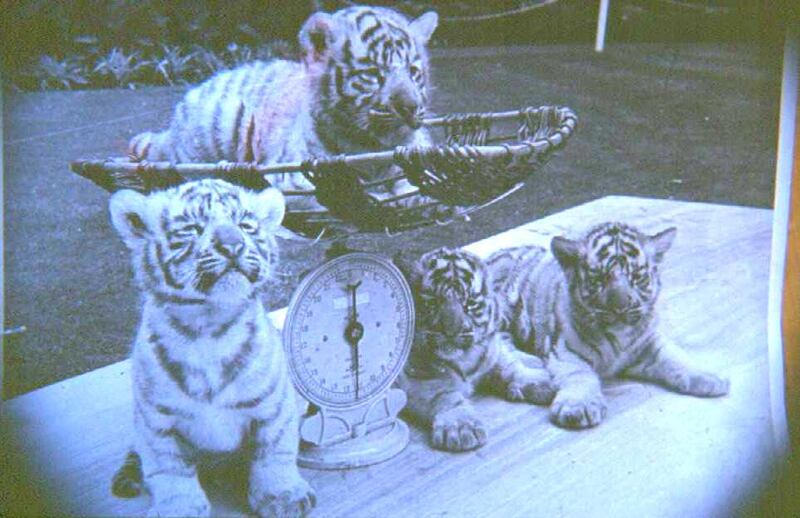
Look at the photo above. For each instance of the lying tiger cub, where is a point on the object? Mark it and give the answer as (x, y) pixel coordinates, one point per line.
(361, 85)
(589, 311)
(458, 348)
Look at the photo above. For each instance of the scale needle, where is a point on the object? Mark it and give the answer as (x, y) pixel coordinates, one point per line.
(354, 330)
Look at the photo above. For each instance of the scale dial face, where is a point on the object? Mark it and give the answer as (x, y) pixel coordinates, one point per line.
(348, 330)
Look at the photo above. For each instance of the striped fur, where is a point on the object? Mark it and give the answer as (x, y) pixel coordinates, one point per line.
(209, 373)
(588, 309)
(360, 86)
(459, 348)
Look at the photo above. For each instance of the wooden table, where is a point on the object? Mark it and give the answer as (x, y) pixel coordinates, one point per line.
(657, 454)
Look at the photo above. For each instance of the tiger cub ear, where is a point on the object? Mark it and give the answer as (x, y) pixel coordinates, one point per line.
(424, 26)
(317, 37)
(567, 252)
(129, 215)
(270, 208)
(658, 244)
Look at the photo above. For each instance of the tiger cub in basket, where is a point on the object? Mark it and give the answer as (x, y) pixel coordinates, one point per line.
(208, 367)
(589, 311)
(361, 85)
(458, 348)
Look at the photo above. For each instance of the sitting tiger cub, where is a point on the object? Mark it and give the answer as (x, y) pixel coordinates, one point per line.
(209, 373)
(360, 86)
(589, 311)
(458, 347)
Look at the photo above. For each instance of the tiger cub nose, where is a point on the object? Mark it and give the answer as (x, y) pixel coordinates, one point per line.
(228, 241)
(408, 109)
(617, 295)
(451, 318)
(618, 298)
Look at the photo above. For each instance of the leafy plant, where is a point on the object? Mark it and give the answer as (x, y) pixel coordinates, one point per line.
(118, 68)
(207, 62)
(50, 72)
(175, 66)
(236, 55)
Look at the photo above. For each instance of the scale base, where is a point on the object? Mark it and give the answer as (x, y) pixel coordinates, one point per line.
(376, 446)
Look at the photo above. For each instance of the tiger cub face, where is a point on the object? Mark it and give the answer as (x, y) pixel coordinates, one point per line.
(376, 66)
(206, 241)
(454, 301)
(613, 271)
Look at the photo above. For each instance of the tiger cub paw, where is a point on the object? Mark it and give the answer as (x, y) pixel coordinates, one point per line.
(701, 385)
(537, 393)
(578, 413)
(458, 429)
(296, 501)
(181, 504)
(140, 146)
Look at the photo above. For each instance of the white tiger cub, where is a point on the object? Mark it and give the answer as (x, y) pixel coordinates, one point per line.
(589, 311)
(209, 373)
(460, 348)
(361, 86)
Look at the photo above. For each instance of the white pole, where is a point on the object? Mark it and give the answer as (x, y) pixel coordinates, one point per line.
(602, 18)
(780, 233)
(2, 243)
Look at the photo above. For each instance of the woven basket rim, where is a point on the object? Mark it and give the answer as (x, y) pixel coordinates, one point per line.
(541, 131)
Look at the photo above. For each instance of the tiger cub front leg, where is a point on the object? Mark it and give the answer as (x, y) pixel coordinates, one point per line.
(521, 377)
(443, 405)
(579, 401)
(168, 472)
(456, 426)
(665, 365)
(276, 487)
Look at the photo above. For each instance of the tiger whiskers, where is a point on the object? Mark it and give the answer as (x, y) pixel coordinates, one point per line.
(250, 266)
(381, 114)
(385, 126)
(438, 340)
(210, 263)
(387, 121)
(349, 128)
(203, 281)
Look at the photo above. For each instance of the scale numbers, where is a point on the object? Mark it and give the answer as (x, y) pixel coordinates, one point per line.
(332, 363)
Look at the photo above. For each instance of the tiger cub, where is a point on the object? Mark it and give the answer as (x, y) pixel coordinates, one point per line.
(458, 348)
(360, 86)
(589, 311)
(208, 367)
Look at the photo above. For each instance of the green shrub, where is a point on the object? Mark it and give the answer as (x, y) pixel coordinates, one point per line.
(50, 72)
(118, 68)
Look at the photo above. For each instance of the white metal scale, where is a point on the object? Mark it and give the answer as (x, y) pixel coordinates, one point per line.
(347, 335)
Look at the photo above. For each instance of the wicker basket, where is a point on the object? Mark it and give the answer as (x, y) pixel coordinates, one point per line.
(478, 164)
